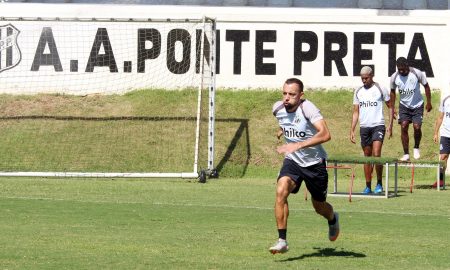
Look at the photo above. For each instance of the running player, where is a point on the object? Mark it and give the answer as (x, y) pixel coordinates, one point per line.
(408, 79)
(368, 102)
(304, 130)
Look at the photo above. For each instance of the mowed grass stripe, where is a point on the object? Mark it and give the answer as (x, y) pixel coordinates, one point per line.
(193, 205)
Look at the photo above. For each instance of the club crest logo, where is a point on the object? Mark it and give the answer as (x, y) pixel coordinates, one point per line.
(10, 54)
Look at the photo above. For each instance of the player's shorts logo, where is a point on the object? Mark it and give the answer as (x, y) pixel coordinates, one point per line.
(10, 54)
(380, 134)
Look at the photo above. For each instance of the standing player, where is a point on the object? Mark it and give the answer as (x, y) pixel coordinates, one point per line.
(408, 79)
(304, 130)
(368, 109)
(444, 147)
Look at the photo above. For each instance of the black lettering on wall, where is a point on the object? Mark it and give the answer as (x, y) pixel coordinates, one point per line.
(178, 36)
(50, 59)
(127, 67)
(424, 64)
(392, 39)
(206, 49)
(335, 55)
(73, 65)
(300, 55)
(218, 52)
(237, 36)
(360, 54)
(101, 60)
(262, 68)
(152, 35)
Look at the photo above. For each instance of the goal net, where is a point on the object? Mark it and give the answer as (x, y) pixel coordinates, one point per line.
(107, 97)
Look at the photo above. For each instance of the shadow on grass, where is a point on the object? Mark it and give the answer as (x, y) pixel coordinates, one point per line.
(326, 252)
(242, 131)
(424, 187)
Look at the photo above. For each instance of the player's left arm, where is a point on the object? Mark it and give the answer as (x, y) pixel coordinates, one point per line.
(322, 135)
(391, 119)
(428, 106)
(422, 79)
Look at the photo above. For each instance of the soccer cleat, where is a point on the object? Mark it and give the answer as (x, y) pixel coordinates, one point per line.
(405, 157)
(416, 153)
(333, 230)
(441, 184)
(378, 189)
(367, 190)
(280, 247)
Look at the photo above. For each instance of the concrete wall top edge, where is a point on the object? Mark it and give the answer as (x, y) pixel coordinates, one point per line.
(227, 14)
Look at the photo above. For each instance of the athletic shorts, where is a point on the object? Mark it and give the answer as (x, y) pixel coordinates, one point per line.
(444, 145)
(315, 177)
(410, 115)
(371, 134)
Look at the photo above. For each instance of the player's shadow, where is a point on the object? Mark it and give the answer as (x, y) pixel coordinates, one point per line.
(240, 140)
(424, 187)
(326, 252)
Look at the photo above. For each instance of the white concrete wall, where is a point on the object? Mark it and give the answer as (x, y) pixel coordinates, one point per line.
(382, 4)
(268, 38)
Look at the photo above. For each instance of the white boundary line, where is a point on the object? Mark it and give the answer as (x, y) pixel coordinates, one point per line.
(342, 210)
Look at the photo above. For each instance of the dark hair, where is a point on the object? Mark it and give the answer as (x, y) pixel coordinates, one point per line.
(296, 81)
(401, 61)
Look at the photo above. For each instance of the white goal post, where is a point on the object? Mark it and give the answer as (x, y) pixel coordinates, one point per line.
(97, 97)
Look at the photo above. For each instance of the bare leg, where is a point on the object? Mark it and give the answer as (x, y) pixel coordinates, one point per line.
(284, 187)
(377, 145)
(324, 209)
(405, 137)
(368, 168)
(443, 157)
(417, 134)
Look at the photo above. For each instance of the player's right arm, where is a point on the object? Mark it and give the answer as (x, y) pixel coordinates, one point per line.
(355, 117)
(279, 133)
(322, 136)
(393, 95)
(392, 101)
(437, 125)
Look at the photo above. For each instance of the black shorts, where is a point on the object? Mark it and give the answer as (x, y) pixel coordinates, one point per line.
(410, 115)
(371, 134)
(444, 145)
(315, 177)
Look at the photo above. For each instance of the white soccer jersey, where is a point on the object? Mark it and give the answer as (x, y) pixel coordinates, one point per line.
(298, 127)
(370, 102)
(445, 108)
(409, 87)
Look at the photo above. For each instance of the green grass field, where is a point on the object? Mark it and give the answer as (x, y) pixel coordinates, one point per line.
(227, 223)
(224, 224)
